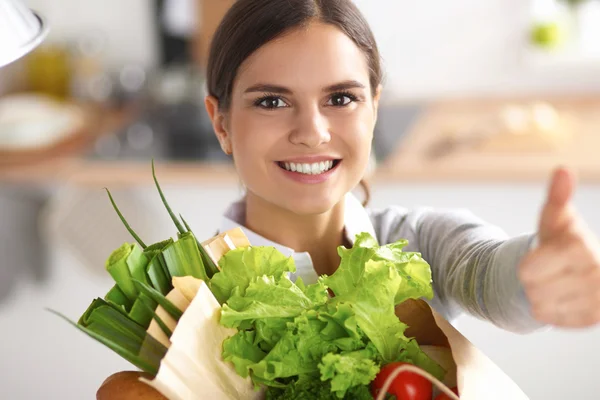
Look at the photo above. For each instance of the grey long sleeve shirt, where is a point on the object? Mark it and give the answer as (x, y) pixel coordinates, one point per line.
(474, 264)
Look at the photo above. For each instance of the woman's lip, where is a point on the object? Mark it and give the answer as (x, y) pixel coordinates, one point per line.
(309, 159)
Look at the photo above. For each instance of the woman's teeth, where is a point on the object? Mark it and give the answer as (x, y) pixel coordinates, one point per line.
(309, 169)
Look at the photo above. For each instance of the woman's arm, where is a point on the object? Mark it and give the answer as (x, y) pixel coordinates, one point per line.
(474, 264)
(126, 385)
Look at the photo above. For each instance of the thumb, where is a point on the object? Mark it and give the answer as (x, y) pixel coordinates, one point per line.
(556, 214)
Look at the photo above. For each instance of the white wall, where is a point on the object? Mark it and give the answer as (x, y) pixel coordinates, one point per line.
(435, 48)
(431, 48)
(128, 26)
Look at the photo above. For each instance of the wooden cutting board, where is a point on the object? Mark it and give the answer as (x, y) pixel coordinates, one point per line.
(471, 145)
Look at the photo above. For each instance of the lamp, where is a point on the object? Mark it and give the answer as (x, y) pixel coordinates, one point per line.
(21, 30)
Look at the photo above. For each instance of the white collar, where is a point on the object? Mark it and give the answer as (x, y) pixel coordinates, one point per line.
(356, 220)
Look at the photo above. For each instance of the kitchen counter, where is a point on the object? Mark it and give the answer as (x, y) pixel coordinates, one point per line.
(448, 143)
(572, 138)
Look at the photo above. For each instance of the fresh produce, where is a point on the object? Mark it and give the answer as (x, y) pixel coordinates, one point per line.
(222, 319)
(406, 386)
(444, 396)
(289, 332)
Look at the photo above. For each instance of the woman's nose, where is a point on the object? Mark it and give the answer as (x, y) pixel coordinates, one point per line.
(311, 128)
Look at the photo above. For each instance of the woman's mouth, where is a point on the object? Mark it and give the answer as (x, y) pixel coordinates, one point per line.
(316, 168)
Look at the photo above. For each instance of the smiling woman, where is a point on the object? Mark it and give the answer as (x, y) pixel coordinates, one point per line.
(294, 88)
(320, 108)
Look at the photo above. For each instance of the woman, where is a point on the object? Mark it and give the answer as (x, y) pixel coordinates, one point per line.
(294, 87)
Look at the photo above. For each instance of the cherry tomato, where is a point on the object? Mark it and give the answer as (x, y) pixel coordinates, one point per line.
(406, 386)
(443, 396)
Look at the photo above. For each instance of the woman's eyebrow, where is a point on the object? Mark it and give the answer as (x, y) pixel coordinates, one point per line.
(270, 88)
(265, 87)
(345, 85)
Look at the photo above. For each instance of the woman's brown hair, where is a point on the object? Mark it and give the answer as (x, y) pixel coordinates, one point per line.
(250, 24)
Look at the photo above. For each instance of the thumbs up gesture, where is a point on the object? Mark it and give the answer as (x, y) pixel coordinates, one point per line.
(561, 277)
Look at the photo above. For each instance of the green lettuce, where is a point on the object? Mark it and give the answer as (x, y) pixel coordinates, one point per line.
(290, 333)
(242, 265)
(315, 390)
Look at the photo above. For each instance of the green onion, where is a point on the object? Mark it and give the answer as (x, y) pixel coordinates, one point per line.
(211, 268)
(157, 276)
(131, 231)
(125, 337)
(158, 320)
(142, 310)
(125, 263)
(155, 295)
(116, 296)
(183, 258)
(157, 270)
(164, 200)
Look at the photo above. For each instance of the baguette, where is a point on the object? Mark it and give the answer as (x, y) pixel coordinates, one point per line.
(125, 385)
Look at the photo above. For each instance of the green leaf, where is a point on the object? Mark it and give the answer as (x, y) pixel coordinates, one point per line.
(240, 266)
(156, 273)
(140, 312)
(129, 229)
(116, 296)
(159, 298)
(147, 360)
(347, 370)
(375, 315)
(183, 258)
(152, 310)
(156, 250)
(209, 264)
(264, 298)
(315, 389)
(241, 350)
(164, 200)
(414, 271)
(101, 312)
(124, 264)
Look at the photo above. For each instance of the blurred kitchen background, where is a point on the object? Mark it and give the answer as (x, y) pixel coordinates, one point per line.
(482, 99)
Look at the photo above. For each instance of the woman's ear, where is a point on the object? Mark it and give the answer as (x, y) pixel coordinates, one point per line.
(218, 122)
(376, 98)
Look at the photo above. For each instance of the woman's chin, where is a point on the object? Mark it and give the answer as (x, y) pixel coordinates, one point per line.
(312, 204)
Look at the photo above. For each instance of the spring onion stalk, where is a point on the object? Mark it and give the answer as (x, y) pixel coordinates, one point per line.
(211, 268)
(160, 299)
(184, 259)
(207, 265)
(157, 270)
(140, 312)
(124, 264)
(163, 327)
(180, 228)
(129, 229)
(144, 294)
(116, 297)
(109, 326)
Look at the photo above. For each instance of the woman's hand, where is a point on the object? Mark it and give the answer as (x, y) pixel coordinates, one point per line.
(561, 276)
(127, 386)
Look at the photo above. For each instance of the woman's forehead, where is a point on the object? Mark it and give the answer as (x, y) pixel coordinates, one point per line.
(319, 55)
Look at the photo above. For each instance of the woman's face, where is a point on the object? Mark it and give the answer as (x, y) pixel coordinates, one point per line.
(301, 120)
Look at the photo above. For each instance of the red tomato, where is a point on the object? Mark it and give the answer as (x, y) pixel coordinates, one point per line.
(443, 396)
(406, 386)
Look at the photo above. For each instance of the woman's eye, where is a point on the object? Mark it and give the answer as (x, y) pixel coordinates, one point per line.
(271, 103)
(340, 100)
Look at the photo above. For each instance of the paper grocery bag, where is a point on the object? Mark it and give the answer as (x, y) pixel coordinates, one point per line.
(476, 376)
